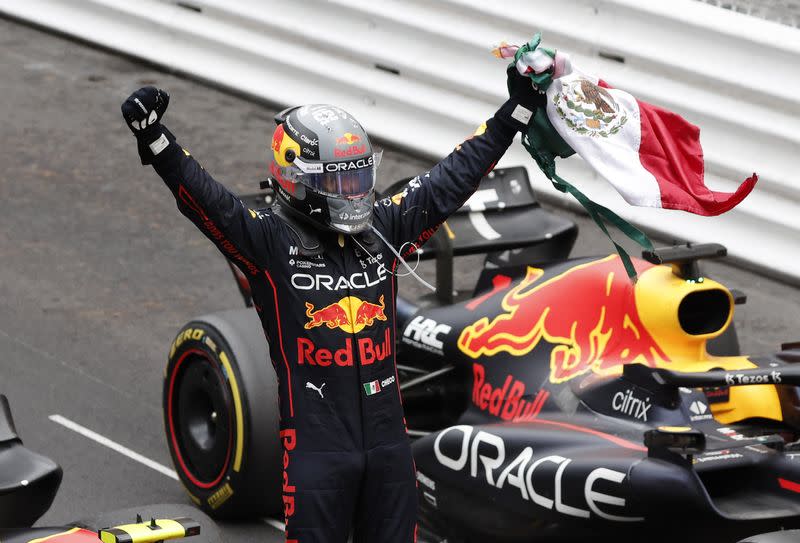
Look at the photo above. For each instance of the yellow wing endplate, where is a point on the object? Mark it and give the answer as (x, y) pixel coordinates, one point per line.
(151, 531)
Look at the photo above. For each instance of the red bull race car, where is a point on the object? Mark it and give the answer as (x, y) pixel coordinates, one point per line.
(557, 401)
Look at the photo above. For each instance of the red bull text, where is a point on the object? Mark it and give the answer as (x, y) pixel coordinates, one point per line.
(352, 150)
(368, 352)
(507, 402)
(289, 441)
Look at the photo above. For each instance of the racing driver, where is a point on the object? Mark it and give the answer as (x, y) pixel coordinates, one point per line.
(321, 265)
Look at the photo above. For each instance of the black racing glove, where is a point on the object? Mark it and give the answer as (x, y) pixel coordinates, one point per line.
(521, 87)
(525, 100)
(143, 111)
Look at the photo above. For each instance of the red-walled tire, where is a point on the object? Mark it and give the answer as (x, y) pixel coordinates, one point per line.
(221, 416)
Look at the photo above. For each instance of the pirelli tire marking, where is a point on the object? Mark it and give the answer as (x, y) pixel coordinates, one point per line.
(220, 496)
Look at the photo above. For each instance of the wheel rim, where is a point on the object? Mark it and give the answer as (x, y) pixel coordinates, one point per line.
(200, 410)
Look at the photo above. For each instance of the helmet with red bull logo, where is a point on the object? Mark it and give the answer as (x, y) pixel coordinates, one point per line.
(323, 167)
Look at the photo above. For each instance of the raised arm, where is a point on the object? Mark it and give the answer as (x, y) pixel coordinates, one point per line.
(238, 232)
(414, 214)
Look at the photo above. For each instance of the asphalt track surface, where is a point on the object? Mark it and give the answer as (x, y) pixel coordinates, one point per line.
(99, 270)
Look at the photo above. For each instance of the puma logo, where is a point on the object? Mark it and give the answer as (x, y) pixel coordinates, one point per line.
(312, 387)
(314, 210)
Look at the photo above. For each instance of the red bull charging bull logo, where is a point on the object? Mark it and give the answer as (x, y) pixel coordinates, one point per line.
(348, 139)
(347, 146)
(587, 313)
(351, 314)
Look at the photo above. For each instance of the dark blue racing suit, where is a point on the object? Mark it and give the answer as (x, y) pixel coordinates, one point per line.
(328, 313)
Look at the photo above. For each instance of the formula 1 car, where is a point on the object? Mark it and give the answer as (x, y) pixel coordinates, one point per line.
(28, 485)
(557, 401)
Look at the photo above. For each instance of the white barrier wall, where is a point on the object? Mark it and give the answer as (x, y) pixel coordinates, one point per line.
(418, 73)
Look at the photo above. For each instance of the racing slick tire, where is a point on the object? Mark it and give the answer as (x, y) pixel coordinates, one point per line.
(221, 415)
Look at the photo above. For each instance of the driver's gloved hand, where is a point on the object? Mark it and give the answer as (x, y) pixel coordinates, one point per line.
(519, 110)
(143, 111)
(520, 87)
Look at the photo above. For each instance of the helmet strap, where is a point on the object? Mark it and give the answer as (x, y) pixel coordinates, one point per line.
(402, 260)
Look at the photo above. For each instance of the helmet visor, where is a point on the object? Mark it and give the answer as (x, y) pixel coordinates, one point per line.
(349, 184)
(348, 179)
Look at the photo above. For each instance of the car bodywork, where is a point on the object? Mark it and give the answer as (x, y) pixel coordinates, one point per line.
(562, 367)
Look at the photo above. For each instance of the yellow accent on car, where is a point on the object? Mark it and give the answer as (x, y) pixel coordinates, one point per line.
(237, 405)
(142, 532)
(659, 293)
(450, 233)
(746, 402)
(675, 429)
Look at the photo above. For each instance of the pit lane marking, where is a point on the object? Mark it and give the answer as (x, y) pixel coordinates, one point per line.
(133, 455)
(275, 523)
(102, 440)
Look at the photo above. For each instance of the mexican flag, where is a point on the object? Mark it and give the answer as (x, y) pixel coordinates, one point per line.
(650, 155)
(372, 388)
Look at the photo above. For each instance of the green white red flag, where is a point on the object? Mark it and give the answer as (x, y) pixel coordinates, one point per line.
(372, 388)
(650, 155)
